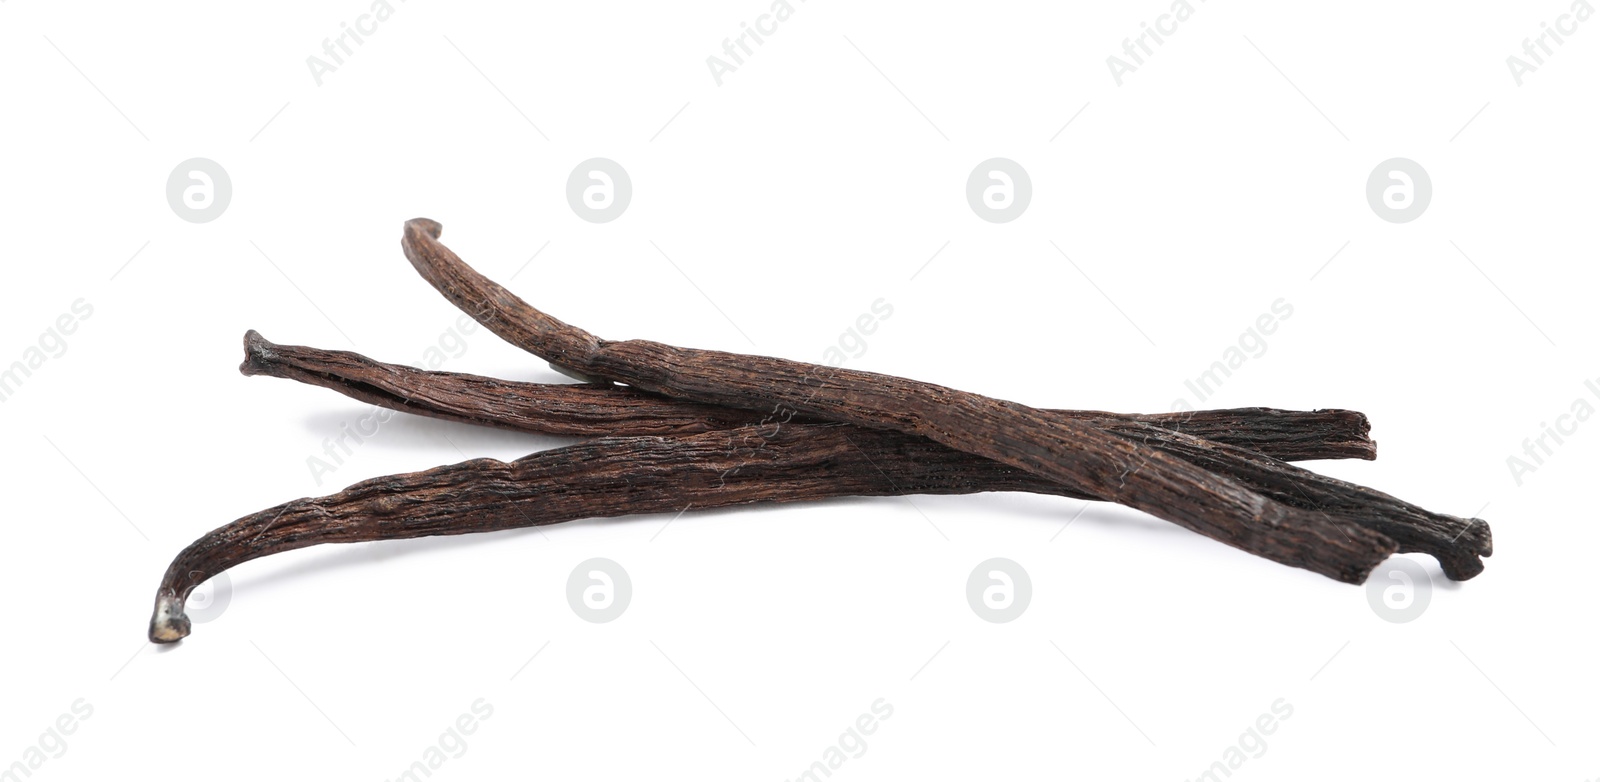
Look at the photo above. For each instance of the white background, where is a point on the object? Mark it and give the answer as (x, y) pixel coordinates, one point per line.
(820, 176)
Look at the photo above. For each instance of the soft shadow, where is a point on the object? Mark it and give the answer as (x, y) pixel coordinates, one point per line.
(1049, 511)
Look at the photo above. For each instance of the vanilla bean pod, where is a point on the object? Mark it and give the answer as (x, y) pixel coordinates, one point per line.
(1212, 440)
(831, 427)
(618, 476)
(610, 410)
(1075, 454)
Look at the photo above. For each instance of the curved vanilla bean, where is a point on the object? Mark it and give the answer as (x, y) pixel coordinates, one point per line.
(618, 476)
(1208, 438)
(1076, 454)
(584, 410)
